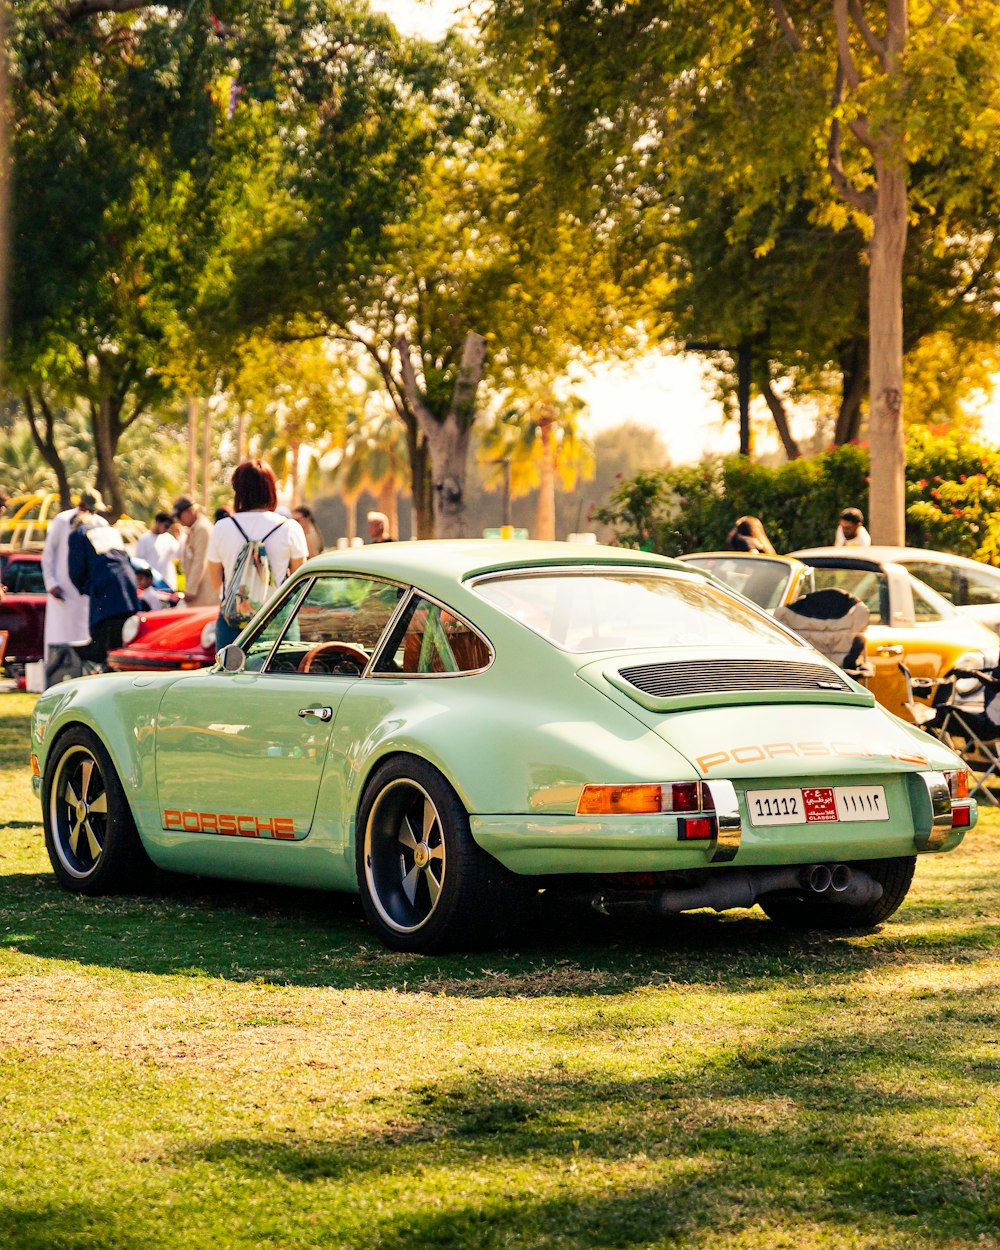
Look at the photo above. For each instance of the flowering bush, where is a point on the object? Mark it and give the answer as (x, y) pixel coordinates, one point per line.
(952, 496)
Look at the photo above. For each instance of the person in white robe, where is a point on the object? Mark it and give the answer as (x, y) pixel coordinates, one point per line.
(67, 612)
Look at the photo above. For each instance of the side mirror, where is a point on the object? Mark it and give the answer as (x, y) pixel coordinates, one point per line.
(232, 658)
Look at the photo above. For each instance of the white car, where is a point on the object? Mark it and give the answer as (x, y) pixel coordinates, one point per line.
(972, 587)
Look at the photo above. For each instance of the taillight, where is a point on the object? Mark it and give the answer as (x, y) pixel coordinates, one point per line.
(645, 798)
(958, 784)
(635, 800)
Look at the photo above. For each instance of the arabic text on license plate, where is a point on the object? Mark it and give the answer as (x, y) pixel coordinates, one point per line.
(817, 805)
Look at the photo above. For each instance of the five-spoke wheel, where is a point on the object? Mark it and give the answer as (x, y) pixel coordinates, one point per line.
(425, 884)
(78, 805)
(90, 835)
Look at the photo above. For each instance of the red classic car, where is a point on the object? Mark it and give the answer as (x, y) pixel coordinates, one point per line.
(181, 638)
(22, 610)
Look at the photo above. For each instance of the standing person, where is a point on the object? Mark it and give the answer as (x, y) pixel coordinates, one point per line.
(255, 518)
(851, 530)
(99, 568)
(314, 539)
(748, 534)
(198, 589)
(160, 549)
(378, 528)
(67, 611)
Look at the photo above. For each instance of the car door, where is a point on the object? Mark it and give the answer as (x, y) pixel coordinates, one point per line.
(243, 754)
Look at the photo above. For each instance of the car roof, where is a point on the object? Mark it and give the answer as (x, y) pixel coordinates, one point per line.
(439, 562)
(740, 555)
(892, 555)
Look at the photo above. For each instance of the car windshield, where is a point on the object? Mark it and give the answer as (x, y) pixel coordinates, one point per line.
(760, 579)
(604, 610)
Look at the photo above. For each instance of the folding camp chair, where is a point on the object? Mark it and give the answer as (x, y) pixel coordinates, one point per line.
(970, 733)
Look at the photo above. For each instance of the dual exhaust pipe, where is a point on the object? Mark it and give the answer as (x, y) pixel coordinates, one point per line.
(741, 887)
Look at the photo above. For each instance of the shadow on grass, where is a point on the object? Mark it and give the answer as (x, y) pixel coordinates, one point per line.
(242, 932)
(732, 1148)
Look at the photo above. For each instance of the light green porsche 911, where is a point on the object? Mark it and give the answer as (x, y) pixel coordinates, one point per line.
(449, 728)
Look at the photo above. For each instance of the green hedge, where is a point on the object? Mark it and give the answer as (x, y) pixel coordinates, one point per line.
(952, 495)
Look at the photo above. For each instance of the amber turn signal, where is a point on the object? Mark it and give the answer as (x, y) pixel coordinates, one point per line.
(637, 800)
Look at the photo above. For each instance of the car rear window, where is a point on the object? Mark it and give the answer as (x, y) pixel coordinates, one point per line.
(609, 611)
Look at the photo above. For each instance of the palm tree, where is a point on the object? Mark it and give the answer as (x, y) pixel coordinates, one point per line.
(538, 444)
(373, 458)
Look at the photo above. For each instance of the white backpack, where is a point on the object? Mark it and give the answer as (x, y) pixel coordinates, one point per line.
(252, 582)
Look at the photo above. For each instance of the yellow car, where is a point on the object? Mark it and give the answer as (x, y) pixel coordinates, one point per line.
(765, 580)
(909, 623)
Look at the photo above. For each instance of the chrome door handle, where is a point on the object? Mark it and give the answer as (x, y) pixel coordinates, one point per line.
(321, 713)
(895, 648)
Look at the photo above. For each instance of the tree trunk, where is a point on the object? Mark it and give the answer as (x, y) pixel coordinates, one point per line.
(853, 364)
(105, 415)
(420, 482)
(447, 440)
(780, 420)
(887, 494)
(388, 502)
(45, 441)
(293, 462)
(545, 517)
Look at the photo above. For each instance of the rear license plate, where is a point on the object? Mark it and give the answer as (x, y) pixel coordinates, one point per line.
(817, 805)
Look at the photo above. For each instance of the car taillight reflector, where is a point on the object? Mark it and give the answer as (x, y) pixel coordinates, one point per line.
(958, 784)
(961, 817)
(682, 796)
(696, 828)
(614, 800)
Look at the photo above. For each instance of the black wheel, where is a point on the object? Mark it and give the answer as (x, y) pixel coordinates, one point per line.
(813, 911)
(425, 884)
(90, 835)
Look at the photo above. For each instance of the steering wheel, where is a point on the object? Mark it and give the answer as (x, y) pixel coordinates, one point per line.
(353, 656)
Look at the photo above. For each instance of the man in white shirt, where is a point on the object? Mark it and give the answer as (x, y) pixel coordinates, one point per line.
(851, 530)
(67, 612)
(160, 549)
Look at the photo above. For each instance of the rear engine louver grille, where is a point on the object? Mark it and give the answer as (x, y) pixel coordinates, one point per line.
(686, 677)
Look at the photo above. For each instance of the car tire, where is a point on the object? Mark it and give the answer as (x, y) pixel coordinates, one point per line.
(90, 834)
(805, 911)
(426, 887)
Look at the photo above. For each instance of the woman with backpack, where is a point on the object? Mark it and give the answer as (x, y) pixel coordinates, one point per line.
(251, 552)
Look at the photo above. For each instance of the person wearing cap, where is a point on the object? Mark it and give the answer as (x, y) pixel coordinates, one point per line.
(851, 530)
(99, 568)
(198, 589)
(160, 549)
(378, 528)
(67, 611)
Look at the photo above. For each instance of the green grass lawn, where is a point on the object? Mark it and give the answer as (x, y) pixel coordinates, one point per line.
(227, 1066)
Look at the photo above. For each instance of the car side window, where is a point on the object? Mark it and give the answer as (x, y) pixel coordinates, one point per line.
(336, 627)
(261, 644)
(923, 608)
(429, 639)
(869, 586)
(939, 577)
(979, 588)
(24, 577)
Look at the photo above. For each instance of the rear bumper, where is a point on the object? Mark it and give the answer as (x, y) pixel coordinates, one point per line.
(542, 845)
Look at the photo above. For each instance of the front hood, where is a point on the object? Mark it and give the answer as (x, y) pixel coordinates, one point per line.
(763, 713)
